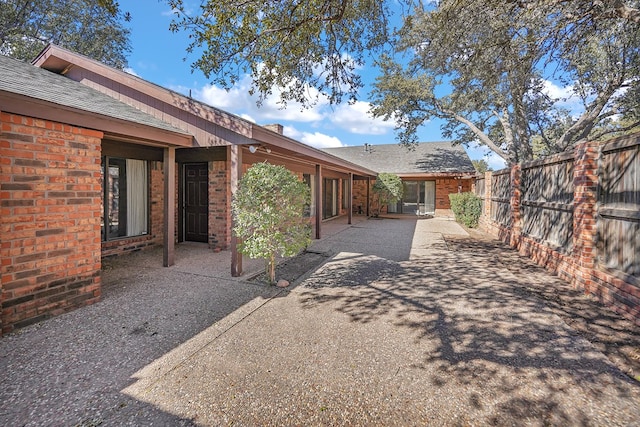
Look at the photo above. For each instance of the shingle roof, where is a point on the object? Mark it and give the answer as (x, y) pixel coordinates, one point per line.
(425, 157)
(25, 79)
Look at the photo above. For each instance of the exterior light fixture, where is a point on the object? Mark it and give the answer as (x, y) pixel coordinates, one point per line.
(253, 149)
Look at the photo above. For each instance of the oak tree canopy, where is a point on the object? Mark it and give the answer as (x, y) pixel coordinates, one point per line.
(485, 67)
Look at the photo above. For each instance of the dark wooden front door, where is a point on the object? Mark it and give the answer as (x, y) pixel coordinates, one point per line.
(196, 202)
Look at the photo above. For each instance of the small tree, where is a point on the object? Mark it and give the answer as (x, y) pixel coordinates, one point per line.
(481, 166)
(268, 212)
(387, 189)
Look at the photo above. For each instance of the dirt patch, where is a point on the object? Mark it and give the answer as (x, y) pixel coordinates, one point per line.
(612, 334)
(291, 269)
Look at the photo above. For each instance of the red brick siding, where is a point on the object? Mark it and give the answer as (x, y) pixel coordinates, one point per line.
(360, 195)
(219, 205)
(50, 194)
(446, 186)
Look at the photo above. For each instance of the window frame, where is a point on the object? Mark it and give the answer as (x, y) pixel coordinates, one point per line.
(106, 235)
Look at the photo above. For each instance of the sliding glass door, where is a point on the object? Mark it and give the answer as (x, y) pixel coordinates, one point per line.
(418, 197)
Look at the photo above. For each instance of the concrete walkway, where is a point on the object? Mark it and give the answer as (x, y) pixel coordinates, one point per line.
(409, 322)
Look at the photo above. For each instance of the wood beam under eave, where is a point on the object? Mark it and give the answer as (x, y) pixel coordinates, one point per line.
(235, 165)
(169, 164)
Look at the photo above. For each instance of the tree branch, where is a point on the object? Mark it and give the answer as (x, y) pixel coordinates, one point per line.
(483, 137)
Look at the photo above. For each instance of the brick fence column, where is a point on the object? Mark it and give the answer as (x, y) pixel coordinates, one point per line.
(585, 187)
(516, 215)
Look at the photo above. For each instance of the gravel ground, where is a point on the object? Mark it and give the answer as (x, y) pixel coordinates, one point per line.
(408, 322)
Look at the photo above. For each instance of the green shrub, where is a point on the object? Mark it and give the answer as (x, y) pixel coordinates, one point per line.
(467, 208)
(268, 212)
(387, 189)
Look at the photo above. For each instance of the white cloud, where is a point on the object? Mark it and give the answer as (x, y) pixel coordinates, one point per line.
(314, 139)
(320, 140)
(238, 100)
(557, 92)
(318, 121)
(355, 118)
(131, 71)
(564, 96)
(248, 118)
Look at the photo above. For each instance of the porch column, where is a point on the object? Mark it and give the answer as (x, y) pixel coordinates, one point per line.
(169, 165)
(235, 163)
(350, 199)
(318, 200)
(368, 201)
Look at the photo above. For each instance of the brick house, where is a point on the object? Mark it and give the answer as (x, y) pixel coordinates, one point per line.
(97, 162)
(430, 171)
(51, 197)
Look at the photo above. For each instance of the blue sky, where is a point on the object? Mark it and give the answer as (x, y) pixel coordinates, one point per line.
(158, 56)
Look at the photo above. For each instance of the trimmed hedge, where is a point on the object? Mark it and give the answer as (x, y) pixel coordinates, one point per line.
(467, 208)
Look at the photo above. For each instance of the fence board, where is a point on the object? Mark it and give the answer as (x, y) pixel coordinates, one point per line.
(547, 202)
(618, 221)
(501, 197)
(480, 190)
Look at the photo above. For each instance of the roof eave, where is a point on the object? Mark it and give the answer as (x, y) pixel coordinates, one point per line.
(148, 135)
(266, 136)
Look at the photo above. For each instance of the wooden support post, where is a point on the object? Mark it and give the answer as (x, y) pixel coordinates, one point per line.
(368, 201)
(350, 199)
(318, 201)
(235, 163)
(169, 229)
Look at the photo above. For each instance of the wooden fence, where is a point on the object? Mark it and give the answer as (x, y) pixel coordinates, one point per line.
(547, 201)
(577, 214)
(501, 197)
(479, 190)
(618, 225)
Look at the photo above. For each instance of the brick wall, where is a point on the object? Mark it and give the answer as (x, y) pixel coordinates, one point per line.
(579, 265)
(446, 186)
(219, 205)
(50, 195)
(360, 195)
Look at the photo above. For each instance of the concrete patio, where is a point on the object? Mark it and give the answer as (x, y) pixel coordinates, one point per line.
(408, 322)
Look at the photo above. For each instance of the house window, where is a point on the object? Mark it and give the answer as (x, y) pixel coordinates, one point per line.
(126, 197)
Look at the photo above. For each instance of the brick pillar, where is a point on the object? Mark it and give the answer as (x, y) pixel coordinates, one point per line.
(585, 187)
(516, 215)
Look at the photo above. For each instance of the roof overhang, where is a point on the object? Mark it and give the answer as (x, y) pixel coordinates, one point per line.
(60, 60)
(118, 129)
(454, 175)
(304, 153)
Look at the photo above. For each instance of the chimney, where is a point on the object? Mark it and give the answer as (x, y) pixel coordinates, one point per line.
(276, 127)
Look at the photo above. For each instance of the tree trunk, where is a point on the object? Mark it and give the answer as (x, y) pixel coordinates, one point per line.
(272, 269)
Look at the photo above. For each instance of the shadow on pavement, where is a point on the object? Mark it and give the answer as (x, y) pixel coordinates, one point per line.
(486, 308)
